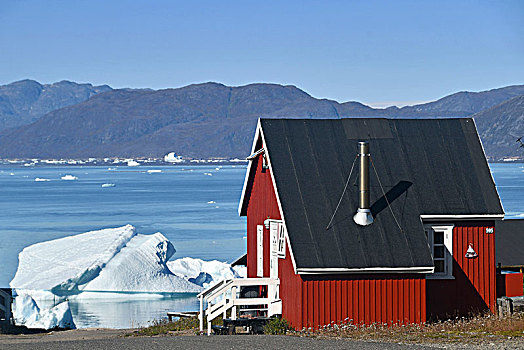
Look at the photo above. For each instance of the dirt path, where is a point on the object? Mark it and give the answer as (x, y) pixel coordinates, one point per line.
(91, 339)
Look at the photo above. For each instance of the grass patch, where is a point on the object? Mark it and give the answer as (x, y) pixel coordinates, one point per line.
(164, 327)
(182, 326)
(473, 329)
(479, 329)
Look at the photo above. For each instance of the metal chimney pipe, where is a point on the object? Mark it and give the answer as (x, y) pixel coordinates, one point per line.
(363, 216)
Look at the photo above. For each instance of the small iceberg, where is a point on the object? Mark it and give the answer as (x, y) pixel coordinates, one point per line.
(211, 202)
(132, 163)
(173, 158)
(205, 273)
(39, 179)
(27, 312)
(108, 185)
(208, 174)
(153, 171)
(69, 177)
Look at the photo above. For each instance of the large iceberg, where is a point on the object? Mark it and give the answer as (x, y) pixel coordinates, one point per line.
(109, 260)
(205, 273)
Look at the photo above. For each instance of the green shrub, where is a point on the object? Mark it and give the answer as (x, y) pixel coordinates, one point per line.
(277, 326)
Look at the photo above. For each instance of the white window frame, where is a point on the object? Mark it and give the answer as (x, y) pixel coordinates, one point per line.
(260, 250)
(447, 229)
(281, 249)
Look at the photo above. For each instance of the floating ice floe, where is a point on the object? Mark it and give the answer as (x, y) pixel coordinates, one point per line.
(152, 171)
(208, 174)
(69, 177)
(109, 260)
(205, 273)
(108, 185)
(211, 202)
(132, 163)
(39, 179)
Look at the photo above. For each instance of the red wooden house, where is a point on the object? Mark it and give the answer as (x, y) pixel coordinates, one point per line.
(424, 246)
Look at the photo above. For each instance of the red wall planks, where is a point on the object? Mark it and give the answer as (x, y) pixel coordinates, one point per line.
(368, 294)
(473, 286)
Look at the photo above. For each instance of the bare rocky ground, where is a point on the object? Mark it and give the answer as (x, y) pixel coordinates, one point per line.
(112, 338)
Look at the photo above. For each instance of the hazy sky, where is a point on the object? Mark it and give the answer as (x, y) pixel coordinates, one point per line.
(393, 52)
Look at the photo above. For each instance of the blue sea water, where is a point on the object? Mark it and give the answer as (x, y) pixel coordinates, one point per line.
(509, 179)
(174, 201)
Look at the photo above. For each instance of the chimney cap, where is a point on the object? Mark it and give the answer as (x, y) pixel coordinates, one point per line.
(363, 217)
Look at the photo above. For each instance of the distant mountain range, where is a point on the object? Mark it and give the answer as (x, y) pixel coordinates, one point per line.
(25, 101)
(500, 126)
(206, 120)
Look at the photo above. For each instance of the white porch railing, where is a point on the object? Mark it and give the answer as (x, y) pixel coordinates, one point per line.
(225, 295)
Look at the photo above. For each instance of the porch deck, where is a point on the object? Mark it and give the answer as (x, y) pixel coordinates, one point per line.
(252, 297)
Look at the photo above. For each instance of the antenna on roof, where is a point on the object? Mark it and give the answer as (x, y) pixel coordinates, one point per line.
(363, 217)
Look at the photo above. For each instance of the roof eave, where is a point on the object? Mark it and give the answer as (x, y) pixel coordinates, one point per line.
(364, 270)
(462, 216)
(242, 205)
(484, 153)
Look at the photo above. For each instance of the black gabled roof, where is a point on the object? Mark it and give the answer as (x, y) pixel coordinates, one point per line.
(426, 167)
(509, 242)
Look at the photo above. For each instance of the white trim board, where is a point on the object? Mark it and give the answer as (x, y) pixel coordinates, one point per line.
(319, 271)
(248, 170)
(462, 217)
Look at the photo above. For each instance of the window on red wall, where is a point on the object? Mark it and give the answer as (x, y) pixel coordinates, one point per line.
(440, 240)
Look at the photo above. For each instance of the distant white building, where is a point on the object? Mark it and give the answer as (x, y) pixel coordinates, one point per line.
(173, 158)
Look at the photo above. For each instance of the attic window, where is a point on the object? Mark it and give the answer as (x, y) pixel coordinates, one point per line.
(440, 240)
(265, 165)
